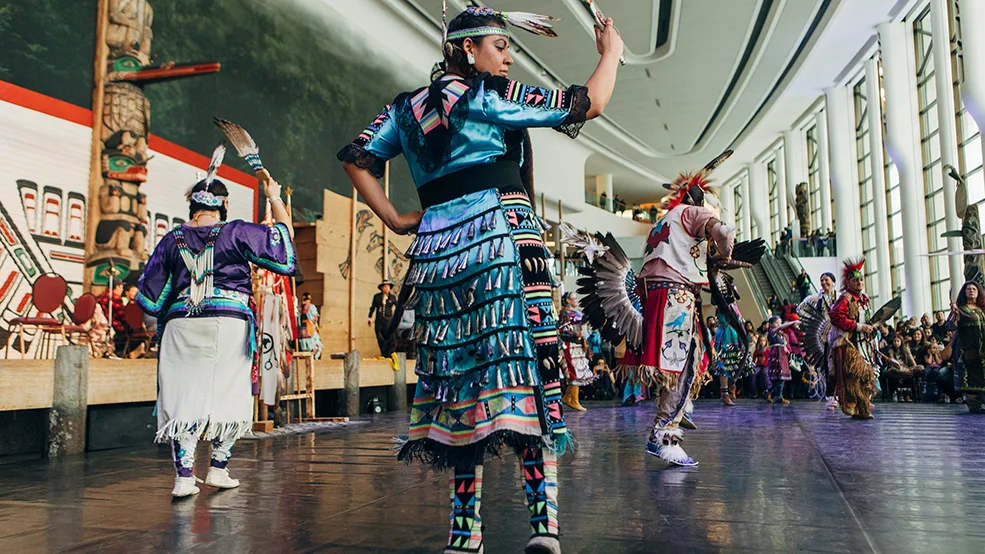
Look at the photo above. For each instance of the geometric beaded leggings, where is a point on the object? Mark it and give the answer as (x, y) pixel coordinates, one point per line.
(539, 469)
(184, 453)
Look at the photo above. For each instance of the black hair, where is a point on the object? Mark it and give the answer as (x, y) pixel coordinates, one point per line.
(454, 52)
(695, 196)
(217, 188)
(830, 275)
(962, 299)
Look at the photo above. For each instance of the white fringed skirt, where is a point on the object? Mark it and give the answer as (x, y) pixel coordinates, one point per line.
(204, 376)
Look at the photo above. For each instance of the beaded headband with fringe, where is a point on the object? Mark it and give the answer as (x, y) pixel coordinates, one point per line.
(530, 22)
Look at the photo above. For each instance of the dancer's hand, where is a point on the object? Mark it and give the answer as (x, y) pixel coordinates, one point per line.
(271, 188)
(608, 41)
(865, 328)
(407, 223)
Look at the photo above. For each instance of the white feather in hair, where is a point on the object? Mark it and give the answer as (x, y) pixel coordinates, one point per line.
(532, 22)
(217, 156)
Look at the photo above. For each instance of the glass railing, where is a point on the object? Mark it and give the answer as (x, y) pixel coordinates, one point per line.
(808, 248)
(620, 208)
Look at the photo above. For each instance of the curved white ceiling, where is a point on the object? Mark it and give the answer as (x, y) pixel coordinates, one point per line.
(678, 105)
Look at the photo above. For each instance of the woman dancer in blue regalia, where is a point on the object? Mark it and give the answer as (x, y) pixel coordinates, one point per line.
(486, 328)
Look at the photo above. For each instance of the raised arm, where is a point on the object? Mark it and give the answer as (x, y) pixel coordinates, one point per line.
(603, 80)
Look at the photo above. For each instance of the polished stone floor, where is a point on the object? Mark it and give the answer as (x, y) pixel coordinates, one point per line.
(771, 479)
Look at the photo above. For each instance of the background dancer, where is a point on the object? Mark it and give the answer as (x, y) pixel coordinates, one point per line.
(577, 370)
(851, 347)
(197, 283)
(731, 338)
(968, 313)
(486, 328)
(815, 312)
(779, 359)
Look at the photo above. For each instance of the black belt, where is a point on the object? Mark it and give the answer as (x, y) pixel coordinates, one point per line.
(503, 175)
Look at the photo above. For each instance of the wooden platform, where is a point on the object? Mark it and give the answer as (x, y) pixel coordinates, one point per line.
(27, 384)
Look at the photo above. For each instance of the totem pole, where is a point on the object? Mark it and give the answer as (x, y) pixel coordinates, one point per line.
(971, 229)
(120, 223)
(803, 209)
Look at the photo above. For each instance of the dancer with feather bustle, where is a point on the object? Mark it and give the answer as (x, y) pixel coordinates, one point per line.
(486, 329)
(659, 311)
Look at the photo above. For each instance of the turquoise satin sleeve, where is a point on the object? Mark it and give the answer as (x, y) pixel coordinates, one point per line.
(491, 107)
(385, 140)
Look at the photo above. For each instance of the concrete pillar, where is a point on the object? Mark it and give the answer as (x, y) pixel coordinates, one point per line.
(973, 50)
(796, 168)
(67, 417)
(603, 183)
(903, 145)
(824, 173)
(350, 384)
(746, 212)
(759, 200)
(948, 134)
(728, 214)
(398, 393)
(884, 280)
(781, 188)
(844, 183)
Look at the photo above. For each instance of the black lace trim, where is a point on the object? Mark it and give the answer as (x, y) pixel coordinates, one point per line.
(432, 150)
(438, 455)
(359, 157)
(580, 103)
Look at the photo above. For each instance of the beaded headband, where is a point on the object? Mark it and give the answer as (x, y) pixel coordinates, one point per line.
(206, 198)
(530, 22)
(477, 32)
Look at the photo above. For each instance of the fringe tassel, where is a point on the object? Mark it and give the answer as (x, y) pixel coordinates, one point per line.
(176, 429)
(204, 429)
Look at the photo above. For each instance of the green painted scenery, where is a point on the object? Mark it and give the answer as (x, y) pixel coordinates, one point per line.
(301, 83)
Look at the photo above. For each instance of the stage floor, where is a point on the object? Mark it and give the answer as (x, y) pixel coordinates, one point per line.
(771, 479)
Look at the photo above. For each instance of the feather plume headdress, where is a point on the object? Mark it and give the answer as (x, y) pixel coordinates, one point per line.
(530, 22)
(684, 182)
(205, 197)
(852, 270)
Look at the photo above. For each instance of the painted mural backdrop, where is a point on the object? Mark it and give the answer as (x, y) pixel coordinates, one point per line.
(43, 196)
(302, 83)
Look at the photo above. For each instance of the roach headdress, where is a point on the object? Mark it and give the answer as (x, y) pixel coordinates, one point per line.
(684, 184)
(852, 270)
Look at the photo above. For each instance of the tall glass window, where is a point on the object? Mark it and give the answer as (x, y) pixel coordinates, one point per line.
(737, 199)
(930, 145)
(865, 190)
(771, 183)
(814, 177)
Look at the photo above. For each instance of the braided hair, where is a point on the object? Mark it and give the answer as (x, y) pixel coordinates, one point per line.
(453, 51)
